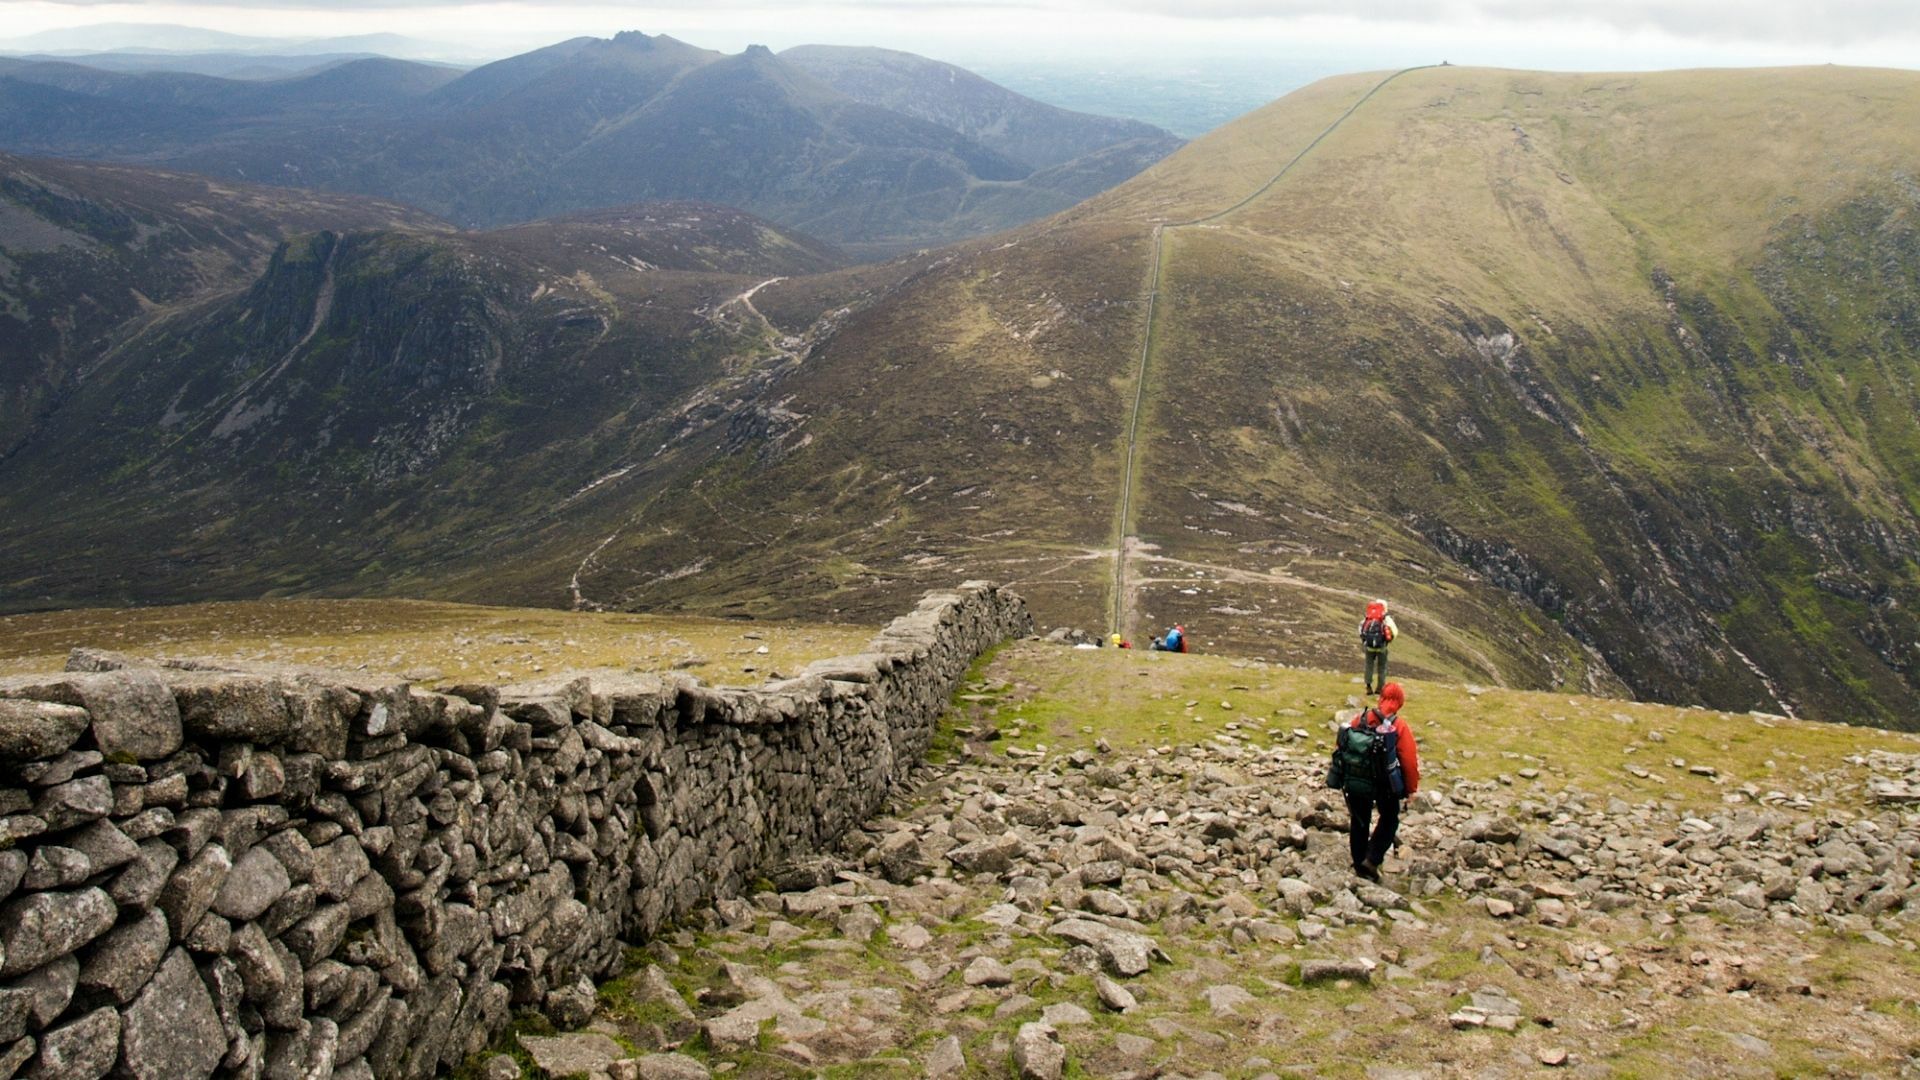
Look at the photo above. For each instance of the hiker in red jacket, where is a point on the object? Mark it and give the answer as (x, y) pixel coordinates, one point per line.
(1377, 631)
(1376, 765)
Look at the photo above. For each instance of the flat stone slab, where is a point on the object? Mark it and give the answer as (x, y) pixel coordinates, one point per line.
(817, 902)
(31, 730)
(1226, 999)
(660, 1067)
(1123, 952)
(565, 1055)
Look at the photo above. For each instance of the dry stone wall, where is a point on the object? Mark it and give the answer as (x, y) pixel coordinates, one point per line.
(276, 873)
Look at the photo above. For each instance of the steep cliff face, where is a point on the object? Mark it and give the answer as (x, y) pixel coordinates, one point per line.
(90, 253)
(377, 342)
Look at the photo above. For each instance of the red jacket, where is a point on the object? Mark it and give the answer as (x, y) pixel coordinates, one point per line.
(1408, 752)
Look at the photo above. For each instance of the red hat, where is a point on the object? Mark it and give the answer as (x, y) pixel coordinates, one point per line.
(1392, 698)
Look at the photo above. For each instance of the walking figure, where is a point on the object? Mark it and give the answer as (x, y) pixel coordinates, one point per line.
(1375, 765)
(1376, 634)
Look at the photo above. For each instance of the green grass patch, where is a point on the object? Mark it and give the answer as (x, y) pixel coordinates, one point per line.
(454, 643)
(1585, 744)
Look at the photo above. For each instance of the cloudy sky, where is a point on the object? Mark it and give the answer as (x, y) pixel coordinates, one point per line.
(1516, 33)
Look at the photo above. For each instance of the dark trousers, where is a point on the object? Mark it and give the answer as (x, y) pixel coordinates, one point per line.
(1376, 670)
(1360, 810)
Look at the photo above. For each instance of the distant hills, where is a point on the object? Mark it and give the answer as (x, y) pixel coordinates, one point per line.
(893, 164)
(1520, 352)
(165, 38)
(226, 65)
(1027, 131)
(1187, 95)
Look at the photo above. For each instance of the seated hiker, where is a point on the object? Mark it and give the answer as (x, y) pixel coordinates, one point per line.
(1174, 641)
(1377, 631)
(1121, 643)
(1375, 765)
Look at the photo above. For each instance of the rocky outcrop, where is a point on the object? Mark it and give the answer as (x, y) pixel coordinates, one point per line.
(287, 872)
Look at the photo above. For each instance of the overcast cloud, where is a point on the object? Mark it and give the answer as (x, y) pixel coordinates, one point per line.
(1612, 32)
(1782, 21)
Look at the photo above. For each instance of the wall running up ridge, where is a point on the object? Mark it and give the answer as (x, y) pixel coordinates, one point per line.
(287, 873)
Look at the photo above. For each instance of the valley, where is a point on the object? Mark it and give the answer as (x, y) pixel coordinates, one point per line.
(1280, 352)
(1489, 344)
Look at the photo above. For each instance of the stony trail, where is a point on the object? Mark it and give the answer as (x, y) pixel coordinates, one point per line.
(745, 300)
(1186, 911)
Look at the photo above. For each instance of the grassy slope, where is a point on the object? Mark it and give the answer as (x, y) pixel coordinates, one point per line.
(1466, 732)
(429, 642)
(958, 425)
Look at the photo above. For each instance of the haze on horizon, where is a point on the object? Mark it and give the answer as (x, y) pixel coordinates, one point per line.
(1576, 35)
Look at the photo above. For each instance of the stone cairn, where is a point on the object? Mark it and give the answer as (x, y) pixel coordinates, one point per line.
(261, 871)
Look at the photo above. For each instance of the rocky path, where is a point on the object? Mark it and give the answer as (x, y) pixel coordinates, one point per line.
(745, 300)
(1187, 911)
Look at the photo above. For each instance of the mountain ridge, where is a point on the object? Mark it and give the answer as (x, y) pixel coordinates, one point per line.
(585, 123)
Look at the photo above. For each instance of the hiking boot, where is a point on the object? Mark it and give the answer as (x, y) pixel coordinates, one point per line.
(1369, 870)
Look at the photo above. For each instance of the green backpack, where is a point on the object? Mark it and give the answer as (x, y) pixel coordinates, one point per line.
(1366, 760)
